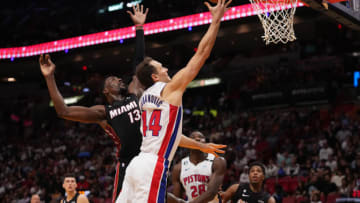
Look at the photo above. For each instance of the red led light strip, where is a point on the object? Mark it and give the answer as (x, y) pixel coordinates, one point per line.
(129, 32)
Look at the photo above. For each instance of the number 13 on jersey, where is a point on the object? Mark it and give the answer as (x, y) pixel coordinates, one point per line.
(153, 124)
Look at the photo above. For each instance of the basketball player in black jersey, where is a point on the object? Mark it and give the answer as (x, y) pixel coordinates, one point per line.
(252, 192)
(121, 118)
(218, 169)
(72, 196)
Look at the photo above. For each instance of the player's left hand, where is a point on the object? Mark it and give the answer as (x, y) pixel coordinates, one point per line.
(212, 148)
(138, 16)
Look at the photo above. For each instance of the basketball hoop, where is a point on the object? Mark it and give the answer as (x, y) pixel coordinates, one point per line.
(277, 19)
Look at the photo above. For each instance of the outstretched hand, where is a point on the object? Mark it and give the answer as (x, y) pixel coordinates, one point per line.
(46, 65)
(138, 16)
(219, 9)
(212, 148)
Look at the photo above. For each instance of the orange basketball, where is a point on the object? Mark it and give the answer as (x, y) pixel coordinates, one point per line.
(213, 1)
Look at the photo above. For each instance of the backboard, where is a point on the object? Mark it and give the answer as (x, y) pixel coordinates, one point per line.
(346, 12)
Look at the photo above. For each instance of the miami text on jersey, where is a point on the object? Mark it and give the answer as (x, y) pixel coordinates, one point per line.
(122, 109)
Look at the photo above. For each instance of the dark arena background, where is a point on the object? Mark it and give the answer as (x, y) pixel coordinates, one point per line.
(294, 107)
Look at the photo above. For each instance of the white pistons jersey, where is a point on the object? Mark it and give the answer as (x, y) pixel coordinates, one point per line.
(195, 178)
(161, 123)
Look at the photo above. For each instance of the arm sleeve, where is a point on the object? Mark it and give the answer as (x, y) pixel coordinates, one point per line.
(139, 49)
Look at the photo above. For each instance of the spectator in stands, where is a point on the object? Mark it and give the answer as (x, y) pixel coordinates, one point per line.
(322, 167)
(244, 176)
(315, 197)
(312, 184)
(281, 172)
(325, 186)
(279, 193)
(283, 158)
(271, 169)
(293, 169)
(345, 188)
(250, 152)
(305, 169)
(301, 190)
(355, 165)
(337, 178)
(325, 152)
(239, 163)
(343, 134)
(332, 163)
(83, 184)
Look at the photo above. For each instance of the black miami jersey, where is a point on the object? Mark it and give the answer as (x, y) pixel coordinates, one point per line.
(245, 194)
(124, 119)
(73, 200)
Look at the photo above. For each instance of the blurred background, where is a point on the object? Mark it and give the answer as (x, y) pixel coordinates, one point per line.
(293, 106)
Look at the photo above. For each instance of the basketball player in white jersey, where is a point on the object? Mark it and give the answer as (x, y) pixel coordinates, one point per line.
(200, 174)
(161, 121)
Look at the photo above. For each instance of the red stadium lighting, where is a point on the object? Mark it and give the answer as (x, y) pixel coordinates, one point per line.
(129, 32)
(84, 68)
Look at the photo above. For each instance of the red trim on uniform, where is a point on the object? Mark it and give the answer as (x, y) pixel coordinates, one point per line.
(143, 119)
(169, 129)
(156, 178)
(116, 182)
(159, 167)
(111, 132)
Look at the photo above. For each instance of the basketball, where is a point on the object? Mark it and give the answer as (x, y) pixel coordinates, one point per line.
(213, 1)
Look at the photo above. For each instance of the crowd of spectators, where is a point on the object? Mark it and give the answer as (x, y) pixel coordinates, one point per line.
(318, 145)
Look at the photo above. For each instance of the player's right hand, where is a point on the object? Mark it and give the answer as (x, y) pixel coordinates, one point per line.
(46, 65)
(219, 10)
(214, 149)
(138, 16)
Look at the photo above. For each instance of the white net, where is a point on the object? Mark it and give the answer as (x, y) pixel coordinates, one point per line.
(277, 17)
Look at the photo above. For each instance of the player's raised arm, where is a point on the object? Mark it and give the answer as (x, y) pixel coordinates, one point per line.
(211, 148)
(189, 72)
(95, 114)
(138, 16)
(216, 179)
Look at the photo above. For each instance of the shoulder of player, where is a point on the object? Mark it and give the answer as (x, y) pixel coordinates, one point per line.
(132, 96)
(220, 160)
(271, 200)
(172, 94)
(219, 163)
(235, 187)
(243, 186)
(101, 110)
(82, 199)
